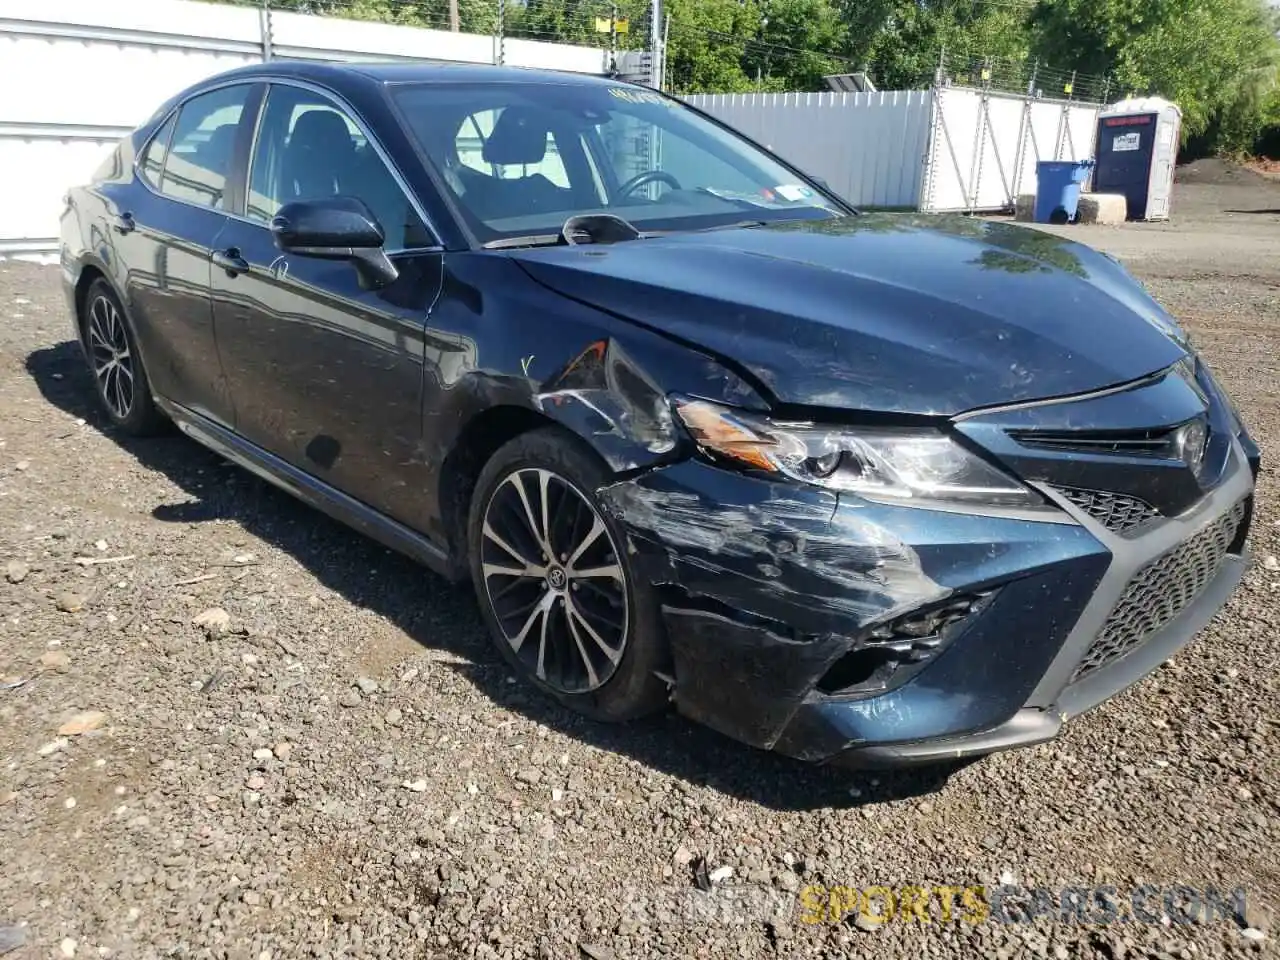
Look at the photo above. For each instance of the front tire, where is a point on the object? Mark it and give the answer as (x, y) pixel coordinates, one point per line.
(554, 581)
(119, 378)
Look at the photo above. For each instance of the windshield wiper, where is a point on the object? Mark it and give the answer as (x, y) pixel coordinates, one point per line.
(591, 229)
(536, 240)
(584, 228)
(598, 228)
(740, 225)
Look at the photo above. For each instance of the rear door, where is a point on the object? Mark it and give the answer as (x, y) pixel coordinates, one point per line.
(325, 374)
(166, 232)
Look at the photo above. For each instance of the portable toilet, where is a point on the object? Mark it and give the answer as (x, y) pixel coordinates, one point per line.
(1137, 144)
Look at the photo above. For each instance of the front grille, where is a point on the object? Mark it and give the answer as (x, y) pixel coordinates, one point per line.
(1161, 590)
(1158, 442)
(1117, 512)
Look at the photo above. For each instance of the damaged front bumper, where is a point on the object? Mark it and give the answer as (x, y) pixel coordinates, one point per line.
(835, 629)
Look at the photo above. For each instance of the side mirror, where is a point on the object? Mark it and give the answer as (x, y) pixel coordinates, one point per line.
(336, 228)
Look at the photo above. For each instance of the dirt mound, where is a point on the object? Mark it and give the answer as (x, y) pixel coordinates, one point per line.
(1215, 172)
(1270, 169)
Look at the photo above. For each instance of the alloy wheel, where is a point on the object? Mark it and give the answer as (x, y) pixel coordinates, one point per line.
(111, 357)
(553, 577)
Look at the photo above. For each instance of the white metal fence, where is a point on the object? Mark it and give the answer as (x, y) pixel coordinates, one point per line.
(869, 147)
(946, 149)
(984, 146)
(76, 75)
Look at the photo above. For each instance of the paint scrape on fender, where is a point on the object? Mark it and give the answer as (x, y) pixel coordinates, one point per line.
(770, 544)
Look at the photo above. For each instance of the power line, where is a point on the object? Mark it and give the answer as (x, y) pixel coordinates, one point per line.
(578, 22)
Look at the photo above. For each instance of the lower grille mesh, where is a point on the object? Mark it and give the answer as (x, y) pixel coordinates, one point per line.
(1161, 590)
(1115, 511)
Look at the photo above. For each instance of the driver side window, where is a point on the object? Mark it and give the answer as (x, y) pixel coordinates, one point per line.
(309, 149)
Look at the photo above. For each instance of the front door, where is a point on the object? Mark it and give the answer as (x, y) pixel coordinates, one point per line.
(325, 374)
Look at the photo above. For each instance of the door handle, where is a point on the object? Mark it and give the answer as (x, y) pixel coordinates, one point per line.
(230, 261)
(124, 223)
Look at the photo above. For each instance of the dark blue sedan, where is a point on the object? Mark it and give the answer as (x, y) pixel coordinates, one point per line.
(876, 488)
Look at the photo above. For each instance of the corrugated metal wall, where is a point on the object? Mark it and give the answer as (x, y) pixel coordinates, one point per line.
(947, 149)
(76, 75)
(869, 147)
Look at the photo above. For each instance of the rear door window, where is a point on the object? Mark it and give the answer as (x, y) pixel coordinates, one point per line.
(198, 165)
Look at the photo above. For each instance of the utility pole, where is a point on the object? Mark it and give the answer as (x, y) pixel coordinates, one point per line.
(764, 22)
(264, 25)
(666, 37)
(455, 22)
(500, 55)
(613, 40)
(657, 45)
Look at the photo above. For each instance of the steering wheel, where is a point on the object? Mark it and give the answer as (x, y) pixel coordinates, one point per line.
(649, 176)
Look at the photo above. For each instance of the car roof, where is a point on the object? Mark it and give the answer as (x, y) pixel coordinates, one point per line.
(413, 71)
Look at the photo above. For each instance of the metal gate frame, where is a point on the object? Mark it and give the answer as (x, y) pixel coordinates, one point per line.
(947, 185)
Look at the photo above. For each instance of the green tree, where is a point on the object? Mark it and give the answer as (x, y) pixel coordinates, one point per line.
(901, 40)
(1250, 125)
(569, 21)
(1212, 57)
(796, 44)
(474, 16)
(707, 44)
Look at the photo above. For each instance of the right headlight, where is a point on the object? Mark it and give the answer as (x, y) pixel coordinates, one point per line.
(880, 464)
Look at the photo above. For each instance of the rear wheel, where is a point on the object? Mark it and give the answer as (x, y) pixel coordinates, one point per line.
(554, 583)
(118, 375)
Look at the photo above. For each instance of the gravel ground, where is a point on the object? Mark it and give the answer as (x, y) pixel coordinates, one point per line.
(334, 764)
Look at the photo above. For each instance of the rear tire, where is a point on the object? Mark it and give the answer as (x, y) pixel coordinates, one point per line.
(554, 581)
(119, 378)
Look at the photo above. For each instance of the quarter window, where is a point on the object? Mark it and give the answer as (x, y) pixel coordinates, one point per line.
(203, 148)
(309, 149)
(157, 150)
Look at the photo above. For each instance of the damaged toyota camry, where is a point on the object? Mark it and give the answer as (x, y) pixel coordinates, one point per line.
(869, 488)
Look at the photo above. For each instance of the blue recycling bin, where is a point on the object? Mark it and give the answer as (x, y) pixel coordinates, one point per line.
(1058, 189)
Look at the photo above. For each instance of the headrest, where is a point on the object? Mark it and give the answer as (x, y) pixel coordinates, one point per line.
(321, 130)
(519, 136)
(220, 143)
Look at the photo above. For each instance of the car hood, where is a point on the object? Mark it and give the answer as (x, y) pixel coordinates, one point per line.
(894, 313)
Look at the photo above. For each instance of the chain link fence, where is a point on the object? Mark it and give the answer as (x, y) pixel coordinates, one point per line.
(1028, 77)
(684, 57)
(604, 24)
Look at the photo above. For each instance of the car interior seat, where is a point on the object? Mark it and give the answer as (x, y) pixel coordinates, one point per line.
(519, 138)
(320, 157)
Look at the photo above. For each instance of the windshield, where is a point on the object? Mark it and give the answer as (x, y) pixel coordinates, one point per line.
(520, 158)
